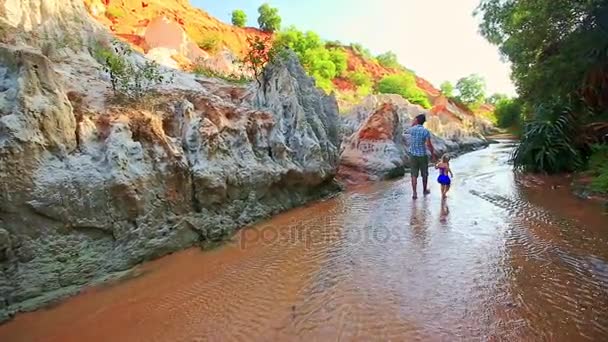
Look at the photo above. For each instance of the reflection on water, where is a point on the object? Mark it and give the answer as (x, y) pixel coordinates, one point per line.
(495, 260)
(445, 211)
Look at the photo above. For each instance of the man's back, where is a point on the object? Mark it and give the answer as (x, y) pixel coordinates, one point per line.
(418, 137)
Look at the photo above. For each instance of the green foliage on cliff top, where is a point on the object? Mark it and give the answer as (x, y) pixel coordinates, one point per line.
(269, 19)
(389, 60)
(471, 90)
(404, 84)
(323, 63)
(447, 89)
(360, 78)
(361, 51)
(239, 18)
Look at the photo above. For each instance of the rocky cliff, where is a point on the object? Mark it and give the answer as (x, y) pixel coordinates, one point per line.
(375, 142)
(90, 187)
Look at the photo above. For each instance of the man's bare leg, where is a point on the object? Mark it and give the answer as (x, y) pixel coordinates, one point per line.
(414, 190)
(425, 181)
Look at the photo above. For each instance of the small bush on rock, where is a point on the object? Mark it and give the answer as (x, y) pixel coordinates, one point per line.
(201, 69)
(360, 78)
(210, 44)
(389, 60)
(261, 51)
(129, 80)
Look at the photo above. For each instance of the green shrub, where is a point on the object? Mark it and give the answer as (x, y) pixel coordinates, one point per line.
(340, 60)
(325, 64)
(404, 84)
(320, 62)
(260, 52)
(389, 60)
(129, 81)
(600, 182)
(269, 19)
(324, 83)
(494, 98)
(598, 166)
(471, 90)
(361, 51)
(299, 41)
(447, 89)
(508, 112)
(210, 44)
(364, 90)
(333, 44)
(360, 78)
(548, 145)
(239, 18)
(201, 69)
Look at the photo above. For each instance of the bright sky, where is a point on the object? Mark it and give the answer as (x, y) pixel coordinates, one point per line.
(438, 39)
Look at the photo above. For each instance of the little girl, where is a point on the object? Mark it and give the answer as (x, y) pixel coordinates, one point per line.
(444, 170)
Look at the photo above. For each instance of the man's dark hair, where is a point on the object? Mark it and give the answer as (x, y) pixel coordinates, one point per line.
(421, 119)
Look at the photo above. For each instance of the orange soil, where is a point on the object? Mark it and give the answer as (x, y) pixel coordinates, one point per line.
(200, 26)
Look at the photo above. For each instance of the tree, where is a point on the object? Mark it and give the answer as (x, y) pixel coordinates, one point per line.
(404, 84)
(508, 112)
(389, 60)
(471, 90)
(269, 19)
(258, 55)
(551, 44)
(299, 41)
(558, 51)
(447, 89)
(340, 60)
(320, 62)
(239, 18)
(495, 98)
(361, 51)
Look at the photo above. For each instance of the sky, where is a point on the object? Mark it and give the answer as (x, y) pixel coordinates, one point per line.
(438, 39)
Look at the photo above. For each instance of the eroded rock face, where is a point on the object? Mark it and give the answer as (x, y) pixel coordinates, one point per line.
(86, 192)
(163, 33)
(166, 41)
(369, 152)
(377, 149)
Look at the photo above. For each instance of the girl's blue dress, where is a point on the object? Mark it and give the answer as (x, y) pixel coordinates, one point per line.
(443, 178)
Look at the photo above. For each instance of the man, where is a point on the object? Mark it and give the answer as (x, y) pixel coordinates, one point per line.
(419, 137)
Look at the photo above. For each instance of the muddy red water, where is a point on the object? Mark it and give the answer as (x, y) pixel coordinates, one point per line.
(496, 261)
